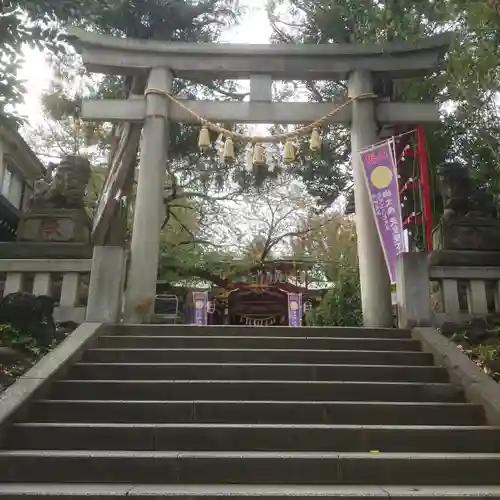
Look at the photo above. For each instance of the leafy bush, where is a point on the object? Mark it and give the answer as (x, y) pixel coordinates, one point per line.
(340, 306)
(11, 337)
(23, 344)
(480, 340)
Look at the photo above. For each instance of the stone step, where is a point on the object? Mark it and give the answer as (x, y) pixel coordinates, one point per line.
(35, 491)
(274, 331)
(277, 468)
(298, 412)
(255, 390)
(255, 371)
(253, 437)
(259, 342)
(360, 357)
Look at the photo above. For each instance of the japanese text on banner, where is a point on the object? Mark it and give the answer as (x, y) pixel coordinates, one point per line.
(380, 173)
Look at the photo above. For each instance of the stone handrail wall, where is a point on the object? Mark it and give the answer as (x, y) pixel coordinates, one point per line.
(430, 295)
(66, 280)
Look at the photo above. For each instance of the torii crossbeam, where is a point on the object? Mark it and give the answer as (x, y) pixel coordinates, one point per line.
(360, 65)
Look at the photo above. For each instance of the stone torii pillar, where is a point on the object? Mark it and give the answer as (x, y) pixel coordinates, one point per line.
(144, 249)
(374, 278)
(261, 64)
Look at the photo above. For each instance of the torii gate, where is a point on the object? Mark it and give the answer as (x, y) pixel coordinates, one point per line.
(261, 64)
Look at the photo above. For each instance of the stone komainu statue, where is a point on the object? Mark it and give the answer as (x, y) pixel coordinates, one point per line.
(64, 186)
(460, 196)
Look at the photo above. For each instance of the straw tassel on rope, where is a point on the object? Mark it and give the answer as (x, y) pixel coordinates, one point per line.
(315, 142)
(249, 157)
(289, 152)
(229, 150)
(259, 155)
(204, 138)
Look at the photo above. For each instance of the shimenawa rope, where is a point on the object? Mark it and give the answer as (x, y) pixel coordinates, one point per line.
(302, 131)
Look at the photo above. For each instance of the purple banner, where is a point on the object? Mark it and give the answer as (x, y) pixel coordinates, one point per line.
(379, 167)
(294, 309)
(200, 300)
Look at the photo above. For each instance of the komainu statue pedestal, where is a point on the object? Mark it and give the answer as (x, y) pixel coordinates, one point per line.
(55, 226)
(468, 233)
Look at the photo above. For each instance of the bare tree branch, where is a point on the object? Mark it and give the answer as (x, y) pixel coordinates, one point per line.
(198, 242)
(183, 226)
(291, 25)
(314, 90)
(303, 232)
(204, 196)
(238, 96)
(284, 37)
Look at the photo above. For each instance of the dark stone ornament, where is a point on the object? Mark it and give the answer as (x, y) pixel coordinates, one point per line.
(66, 188)
(57, 209)
(468, 222)
(31, 315)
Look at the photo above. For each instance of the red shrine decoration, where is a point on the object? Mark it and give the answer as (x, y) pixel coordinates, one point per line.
(412, 144)
(261, 298)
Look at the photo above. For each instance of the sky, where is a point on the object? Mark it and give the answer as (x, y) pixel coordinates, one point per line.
(253, 28)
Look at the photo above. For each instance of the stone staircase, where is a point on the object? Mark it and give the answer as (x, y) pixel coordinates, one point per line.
(189, 412)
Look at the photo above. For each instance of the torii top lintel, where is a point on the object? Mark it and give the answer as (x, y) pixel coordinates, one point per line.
(113, 55)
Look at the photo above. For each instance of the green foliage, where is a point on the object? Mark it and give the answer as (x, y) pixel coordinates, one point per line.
(42, 23)
(34, 23)
(10, 372)
(94, 190)
(340, 306)
(324, 183)
(332, 244)
(64, 133)
(11, 337)
(481, 342)
(486, 353)
(194, 264)
(468, 89)
(29, 349)
(180, 20)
